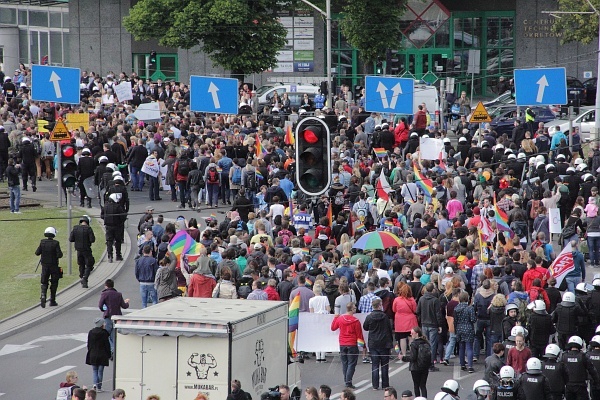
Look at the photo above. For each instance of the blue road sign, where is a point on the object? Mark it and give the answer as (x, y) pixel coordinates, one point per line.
(540, 86)
(56, 84)
(389, 95)
(214, 95)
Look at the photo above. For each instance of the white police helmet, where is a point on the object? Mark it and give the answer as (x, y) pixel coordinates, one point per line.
(50, 231)
(534, 366)
(507, 372)
(552, 350)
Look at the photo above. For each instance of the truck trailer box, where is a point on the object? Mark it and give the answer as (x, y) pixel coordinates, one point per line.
(183, 346)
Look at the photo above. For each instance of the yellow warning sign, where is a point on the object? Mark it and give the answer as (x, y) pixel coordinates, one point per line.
(60, 132)
(480, 114)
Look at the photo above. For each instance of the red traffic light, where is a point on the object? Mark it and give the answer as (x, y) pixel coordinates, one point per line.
(311, 134)
(68, 151)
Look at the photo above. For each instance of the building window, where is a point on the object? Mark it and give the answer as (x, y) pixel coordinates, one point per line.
(422, 21)
(8, 16)
(38, 18)
(55, 20)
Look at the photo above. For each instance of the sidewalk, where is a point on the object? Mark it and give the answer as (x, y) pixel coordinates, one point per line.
(72, 295)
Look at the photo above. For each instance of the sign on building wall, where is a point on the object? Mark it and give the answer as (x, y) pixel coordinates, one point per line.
(298, 55)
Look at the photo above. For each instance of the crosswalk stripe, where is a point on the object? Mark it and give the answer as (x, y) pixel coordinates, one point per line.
(55, 372)
(64, 354)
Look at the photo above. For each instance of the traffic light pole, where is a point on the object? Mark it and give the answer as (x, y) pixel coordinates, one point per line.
(59, 174)
(69, 222)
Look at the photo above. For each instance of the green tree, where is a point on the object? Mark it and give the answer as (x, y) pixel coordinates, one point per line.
(373, 27)
(242, 36)
(576, 27)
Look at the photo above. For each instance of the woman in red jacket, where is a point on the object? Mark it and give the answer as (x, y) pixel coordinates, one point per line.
(405, 317)
(351, 336)
(401, 133)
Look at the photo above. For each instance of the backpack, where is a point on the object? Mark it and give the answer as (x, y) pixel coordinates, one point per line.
(184, 167)
(535, 207)
(251, 180)
(273, 275)
(212, 176)
(339, 198)
(196, 179)
(285, 235)
(65, 393)
(536, 244)
(362, 211)
(423, 356)
(236, 177)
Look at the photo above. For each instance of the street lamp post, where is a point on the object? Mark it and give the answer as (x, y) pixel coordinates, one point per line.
(327, 15)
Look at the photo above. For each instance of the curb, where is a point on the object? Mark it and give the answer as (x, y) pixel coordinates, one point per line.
(69, 296)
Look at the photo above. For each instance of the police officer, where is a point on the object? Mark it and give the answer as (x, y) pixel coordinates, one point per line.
(117, 185)
(28, 154)
(508, 388)
(578, 368)
(585, 322)
(534, 385)
(481, 390)
(593, 355)
(85, 169)
(594, 302)
(50, 252)
(449, 391)
(565, 318)
(561, 164)
(114, 217)
(556, 371)
(83, 237)
(540, 328)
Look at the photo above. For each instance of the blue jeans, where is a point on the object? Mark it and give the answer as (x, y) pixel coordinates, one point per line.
(468, 346)
(594, 246)
(148, 292)
(137, 178)
(572, 281)
(349, 356)
(482, 327)
(108, 325)
(213, 193)
(15, 198)
(432, 335)
(98, 375)
(380, 358)
(450, 345)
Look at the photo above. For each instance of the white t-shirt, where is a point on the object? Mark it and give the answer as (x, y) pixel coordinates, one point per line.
(277, 209)
(319, 304)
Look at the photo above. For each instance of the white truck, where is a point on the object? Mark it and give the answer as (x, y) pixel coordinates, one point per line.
(188, 345)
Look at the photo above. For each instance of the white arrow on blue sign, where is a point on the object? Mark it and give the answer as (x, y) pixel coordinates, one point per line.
(387, 94)
(213, 95)
(55, 84)
(540, 86)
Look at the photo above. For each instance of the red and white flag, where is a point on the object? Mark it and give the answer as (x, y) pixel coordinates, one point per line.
(562, 265)
(441, 159)
(487, 232)
(383, 188)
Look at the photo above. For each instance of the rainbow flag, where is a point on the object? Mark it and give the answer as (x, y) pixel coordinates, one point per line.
(306, 251)
(360, 343)
(397, 348)
(330, 214)
(502, 219)
(182, 243)
(328, 273)
(260, 150)
(380, 152)
(293, 317)
(259, 175)
(219, 169)
(388, 224)
(423, 183)
(360, 227)
(289, 139)
(213, 215)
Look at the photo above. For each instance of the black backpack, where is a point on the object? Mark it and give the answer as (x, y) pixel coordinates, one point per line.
(184, 167)
(423, 356)
(212, 176)
(251, 180)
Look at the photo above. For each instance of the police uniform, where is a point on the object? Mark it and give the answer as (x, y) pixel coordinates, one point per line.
(534, 386)
(50, 252)
(83, 237)
(507, 392)
(578, 367)
(557, 375)
(85, 169)
(114, 216)
(594, 357)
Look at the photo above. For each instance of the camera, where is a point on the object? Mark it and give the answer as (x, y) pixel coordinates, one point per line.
(272, 394)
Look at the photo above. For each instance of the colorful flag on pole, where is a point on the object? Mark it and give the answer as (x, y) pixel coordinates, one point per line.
(502, 219)
(424, 183)
(483, 248)
(289, 139)
(360, 227)
(562, 265)
(383, 188)
(441, 159)
(259, 175)
(291, 211)
(330, 214)
(182, 243)
(485, 229)
(380, 152)
(293, 317)
(259, 149)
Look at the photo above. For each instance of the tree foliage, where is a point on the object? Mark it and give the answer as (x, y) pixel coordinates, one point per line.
(243, 36)
(577, 27)
(373, 27)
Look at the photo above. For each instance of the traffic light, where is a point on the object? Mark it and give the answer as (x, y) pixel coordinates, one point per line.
(313, 156)
(153, 58)
(68, 166)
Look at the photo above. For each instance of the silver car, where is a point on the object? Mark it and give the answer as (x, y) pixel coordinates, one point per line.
(584, 121)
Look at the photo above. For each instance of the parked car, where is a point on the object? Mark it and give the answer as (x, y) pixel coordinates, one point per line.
(504, 118)
(502, 99)
(575, 91)
(584, 121)
(590, 87)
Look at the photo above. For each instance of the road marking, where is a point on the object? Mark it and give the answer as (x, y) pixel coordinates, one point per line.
(357, 385)
(66, 353)
(125, 310)
(82, 337)
(55, 372)
(367, 382)
(14, 348)
(456, 371)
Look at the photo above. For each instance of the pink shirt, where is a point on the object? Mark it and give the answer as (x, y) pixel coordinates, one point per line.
(454, 207)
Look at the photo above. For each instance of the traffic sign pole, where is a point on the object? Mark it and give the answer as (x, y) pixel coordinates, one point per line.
(69, 222)
(59, 174)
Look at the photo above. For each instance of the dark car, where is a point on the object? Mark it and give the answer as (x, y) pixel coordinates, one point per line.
(590, 87)
(575, 91)
(505, 118)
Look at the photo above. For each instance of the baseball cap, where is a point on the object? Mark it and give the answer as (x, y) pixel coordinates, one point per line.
(449, 270)
(344, 261)
(407, 393)
(99, 322)
(257, 246)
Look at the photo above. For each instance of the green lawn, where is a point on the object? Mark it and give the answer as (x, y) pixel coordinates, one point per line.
(20, 234)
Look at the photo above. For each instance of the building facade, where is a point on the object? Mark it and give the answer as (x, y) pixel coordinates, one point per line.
(440, 38)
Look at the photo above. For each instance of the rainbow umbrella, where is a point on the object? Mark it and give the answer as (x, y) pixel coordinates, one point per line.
(377, 240)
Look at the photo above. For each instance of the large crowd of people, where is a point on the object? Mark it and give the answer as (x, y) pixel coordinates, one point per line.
(461, 288)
